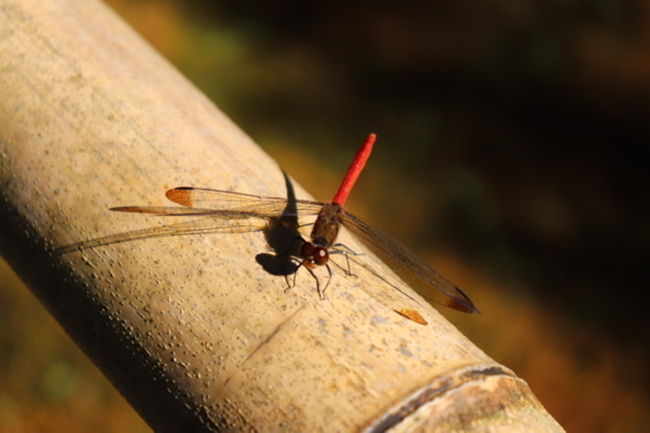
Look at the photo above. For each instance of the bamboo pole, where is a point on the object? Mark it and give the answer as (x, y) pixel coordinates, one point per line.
(191, 330)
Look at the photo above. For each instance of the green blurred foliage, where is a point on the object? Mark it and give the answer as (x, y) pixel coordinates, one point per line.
(512, 134)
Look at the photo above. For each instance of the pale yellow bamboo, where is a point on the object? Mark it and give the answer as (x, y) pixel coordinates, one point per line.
(190, 329)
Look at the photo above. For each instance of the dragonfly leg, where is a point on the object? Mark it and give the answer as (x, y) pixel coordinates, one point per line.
(329, 272)
(321, 294)
(295, 274)
(293, 283)
(340, 248)
(289, 285)
(345, 252)
(349, 272)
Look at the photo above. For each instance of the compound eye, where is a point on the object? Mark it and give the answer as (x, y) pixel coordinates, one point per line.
(321, 256)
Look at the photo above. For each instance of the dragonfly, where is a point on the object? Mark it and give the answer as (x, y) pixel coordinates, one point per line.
(236, 212)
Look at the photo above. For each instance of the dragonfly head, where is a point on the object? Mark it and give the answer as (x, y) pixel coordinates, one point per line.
(314, 255)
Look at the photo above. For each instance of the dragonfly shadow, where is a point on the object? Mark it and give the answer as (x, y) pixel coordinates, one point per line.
(283, 237)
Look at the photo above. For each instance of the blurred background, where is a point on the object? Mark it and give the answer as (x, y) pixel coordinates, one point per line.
(511, 156)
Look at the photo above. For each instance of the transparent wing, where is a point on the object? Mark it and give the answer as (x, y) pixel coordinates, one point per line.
(205, 198)
(424, 279)
(407, 313)
(207, 225)
(224, 212)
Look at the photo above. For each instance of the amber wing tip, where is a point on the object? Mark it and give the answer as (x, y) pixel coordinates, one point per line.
(180, 195)
(412, 315)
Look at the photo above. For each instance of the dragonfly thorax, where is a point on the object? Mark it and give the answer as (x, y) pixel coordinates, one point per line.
(326, 226)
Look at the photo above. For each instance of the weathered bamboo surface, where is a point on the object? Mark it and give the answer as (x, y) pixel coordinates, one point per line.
(193, 332)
